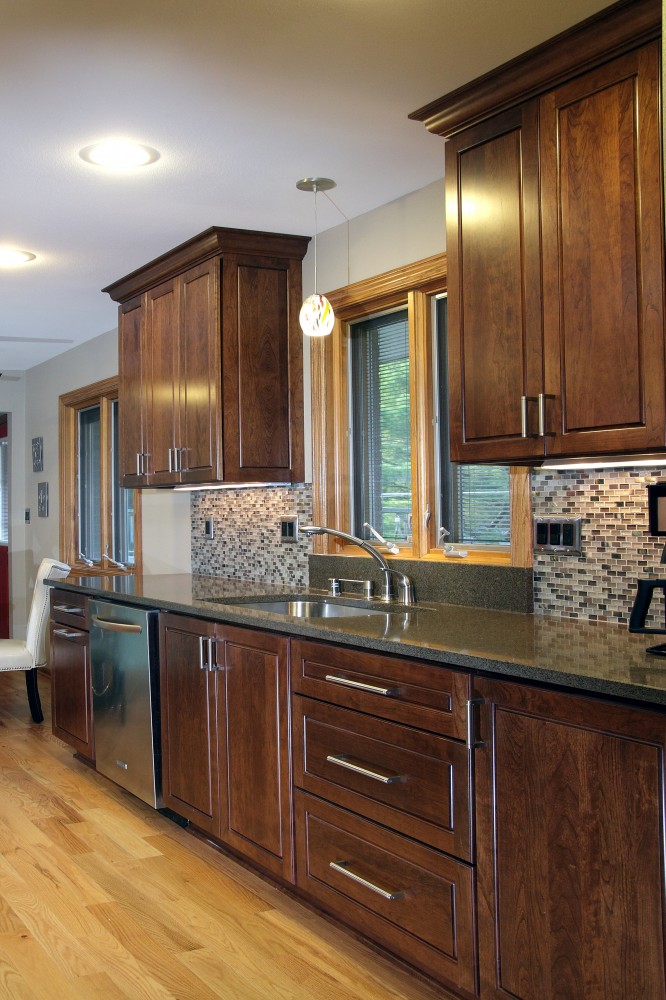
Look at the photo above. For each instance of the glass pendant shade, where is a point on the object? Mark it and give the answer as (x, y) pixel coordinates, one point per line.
(316, 316)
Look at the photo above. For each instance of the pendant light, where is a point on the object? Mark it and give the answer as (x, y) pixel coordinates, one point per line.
(316, 316)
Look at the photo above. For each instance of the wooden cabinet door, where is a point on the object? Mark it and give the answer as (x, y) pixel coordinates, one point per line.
(253, 711)
(162, 374)
(261, 370)
(603, 268)
(199, 397)
(189, 722)
(132, 388)
(570, 847)
(71, 691)
(495, 333)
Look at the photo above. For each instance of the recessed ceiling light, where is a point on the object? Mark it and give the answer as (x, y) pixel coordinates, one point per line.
(10, 257)
(119, 154)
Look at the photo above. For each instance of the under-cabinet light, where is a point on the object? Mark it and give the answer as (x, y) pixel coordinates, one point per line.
(611, 462)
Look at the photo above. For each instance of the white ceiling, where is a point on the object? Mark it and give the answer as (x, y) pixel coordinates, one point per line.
(242, 98)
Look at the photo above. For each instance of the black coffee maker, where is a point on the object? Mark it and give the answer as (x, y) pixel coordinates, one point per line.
(647, 588)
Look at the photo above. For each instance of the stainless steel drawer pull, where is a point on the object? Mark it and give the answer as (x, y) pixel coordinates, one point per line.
(70, 609)
(341, 866)
(109, 626)
(359, 685)
(343, 761)
(66, 633)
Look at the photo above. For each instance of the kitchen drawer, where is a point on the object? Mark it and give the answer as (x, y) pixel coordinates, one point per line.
(406, 779)
(69, 608)
(407, 897)
(401, 690)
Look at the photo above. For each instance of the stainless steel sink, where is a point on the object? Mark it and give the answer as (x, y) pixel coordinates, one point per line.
(311, 609)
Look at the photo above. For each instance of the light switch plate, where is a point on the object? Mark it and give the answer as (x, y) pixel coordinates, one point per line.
(557, 535)
(289, 529)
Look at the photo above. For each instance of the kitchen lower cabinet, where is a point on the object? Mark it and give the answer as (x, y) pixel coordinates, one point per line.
(570, 846)
(383, 797)
(71, 685)
(225, 732)
(188, 702)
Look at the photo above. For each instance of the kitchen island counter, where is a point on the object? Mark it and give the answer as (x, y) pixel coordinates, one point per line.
(590, 657)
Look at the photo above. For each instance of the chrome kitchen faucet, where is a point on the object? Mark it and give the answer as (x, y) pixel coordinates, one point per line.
(405, 586)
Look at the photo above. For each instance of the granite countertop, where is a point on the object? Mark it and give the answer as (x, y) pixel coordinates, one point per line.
(589, 657)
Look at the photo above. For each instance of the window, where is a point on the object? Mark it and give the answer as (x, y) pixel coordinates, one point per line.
(473, 501)
(380, 429)
(98, 517)
(380, 453)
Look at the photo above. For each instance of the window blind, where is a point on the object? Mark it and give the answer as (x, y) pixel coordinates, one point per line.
(380, 425)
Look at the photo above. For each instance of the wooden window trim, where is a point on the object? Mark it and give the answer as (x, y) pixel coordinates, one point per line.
(101, 393)
(411, 286)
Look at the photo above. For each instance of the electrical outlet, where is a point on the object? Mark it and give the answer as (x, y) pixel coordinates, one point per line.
(558, 535)
(289, 529)
(209, 528)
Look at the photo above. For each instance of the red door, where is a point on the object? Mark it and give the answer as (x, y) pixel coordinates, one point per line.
(4, 535)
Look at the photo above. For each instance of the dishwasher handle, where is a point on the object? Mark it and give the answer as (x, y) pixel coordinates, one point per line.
(110, 626)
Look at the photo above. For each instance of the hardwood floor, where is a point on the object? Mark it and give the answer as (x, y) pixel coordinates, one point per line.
(103, 898)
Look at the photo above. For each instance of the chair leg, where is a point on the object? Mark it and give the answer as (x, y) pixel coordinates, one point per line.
(33, 696)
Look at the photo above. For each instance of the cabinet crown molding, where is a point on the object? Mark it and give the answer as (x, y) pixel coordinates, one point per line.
(612, 32)
(211, 243)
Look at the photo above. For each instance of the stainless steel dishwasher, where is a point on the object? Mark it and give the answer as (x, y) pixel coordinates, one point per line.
(125, 688)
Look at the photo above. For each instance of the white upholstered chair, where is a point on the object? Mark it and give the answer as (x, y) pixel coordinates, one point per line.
(15, 654)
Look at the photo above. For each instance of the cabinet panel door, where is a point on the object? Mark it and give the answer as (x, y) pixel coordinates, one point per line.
(254, 701)
(495, 334)
(162, 340)
(603, 259)
(189, 724)
(256, 370)
(132, 393)
(71, 693)
(570, 847)
(199, 374)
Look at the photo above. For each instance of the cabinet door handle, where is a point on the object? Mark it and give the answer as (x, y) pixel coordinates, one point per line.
(69, 609)
(171, 460)
(139, 463)
(182, 467)
(341, 867)
(524, 427)
(203, 644)
(342, 760)
(542, 414)
(68, 633)
(359, 685)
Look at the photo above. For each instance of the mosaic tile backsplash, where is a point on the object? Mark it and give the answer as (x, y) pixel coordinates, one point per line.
(600, 584)
(246, 544)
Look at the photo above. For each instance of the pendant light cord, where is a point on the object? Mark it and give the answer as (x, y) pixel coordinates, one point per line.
(346, 218)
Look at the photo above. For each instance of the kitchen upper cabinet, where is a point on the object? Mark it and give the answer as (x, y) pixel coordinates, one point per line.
(570, 846)
(554, 214)
(211, 362)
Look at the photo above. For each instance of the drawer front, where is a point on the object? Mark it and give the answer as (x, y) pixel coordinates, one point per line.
(401, 690)
(408, 898)
(69, 608)
(406, 779)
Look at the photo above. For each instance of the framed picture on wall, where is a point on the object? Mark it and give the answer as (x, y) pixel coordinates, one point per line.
(43, 499)
(38, 454)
